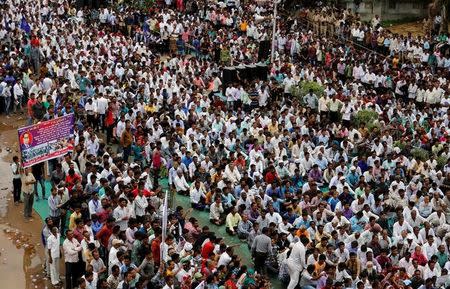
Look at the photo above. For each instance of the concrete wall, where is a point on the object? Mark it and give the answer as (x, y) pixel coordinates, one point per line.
(390, 9)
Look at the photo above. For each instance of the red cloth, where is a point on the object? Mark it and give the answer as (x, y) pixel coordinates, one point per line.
(103, 215)
(270, 177)
(72, 180)
(156, 251)
(35, 42)
(229, 284)
(30, 104)
(78, 234)
(180, 5)
(103, 235)
(147, 193)
(109, 121)
(421, 259)
(207, 249)
(156, 159)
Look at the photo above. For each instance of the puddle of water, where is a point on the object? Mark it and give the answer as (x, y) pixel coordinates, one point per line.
(20, 266)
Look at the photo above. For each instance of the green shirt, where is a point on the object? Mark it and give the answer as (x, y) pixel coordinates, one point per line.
(442, 258)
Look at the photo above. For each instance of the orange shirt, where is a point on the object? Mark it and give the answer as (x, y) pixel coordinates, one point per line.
(319, 268)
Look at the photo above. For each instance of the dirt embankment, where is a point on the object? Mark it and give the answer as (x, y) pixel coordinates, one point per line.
(21, 252)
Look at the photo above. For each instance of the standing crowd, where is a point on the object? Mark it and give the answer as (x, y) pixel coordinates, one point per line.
(345, 185)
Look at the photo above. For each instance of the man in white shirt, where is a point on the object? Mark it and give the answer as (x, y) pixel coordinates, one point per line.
(400, 226)
(71, 249)
(91, 112)
(197, 195)
(54, 253)
(288, 82)
(296, 263)
(180, 183)
(230, 95)
(102, 106)
(140, 203)
(232, 174)
(215, 211)
(430, 247)
(273, 217)
(122, 214)
(415, 219)
(17, 181)
(18, 95)
(95, 206)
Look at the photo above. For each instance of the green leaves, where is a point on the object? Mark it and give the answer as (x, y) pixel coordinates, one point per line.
(303, 88)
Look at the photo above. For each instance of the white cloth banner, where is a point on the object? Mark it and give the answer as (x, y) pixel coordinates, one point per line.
(164, 227)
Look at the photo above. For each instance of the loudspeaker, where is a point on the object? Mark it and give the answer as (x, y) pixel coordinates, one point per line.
(229, 75)
(241, 72)
(251, 72)
(264, 50)
(217, 55)
(262, 71)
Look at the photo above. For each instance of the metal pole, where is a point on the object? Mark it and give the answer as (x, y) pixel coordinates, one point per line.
(39, 15)
(274, 31)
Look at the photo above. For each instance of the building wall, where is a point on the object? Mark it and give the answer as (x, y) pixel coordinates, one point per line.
(390, 9)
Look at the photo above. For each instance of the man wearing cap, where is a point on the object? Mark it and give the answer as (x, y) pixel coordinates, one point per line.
(117, 245)
(352, 177)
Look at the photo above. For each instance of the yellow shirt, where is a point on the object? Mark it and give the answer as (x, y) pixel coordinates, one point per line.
(72, 219)
(232, 220)
(273, 127)
(243, 26)
(29, 189)
(150, 108)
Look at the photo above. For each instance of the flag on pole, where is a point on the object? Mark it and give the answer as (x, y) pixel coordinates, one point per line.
(164, 227)
(201, 285)
(25, 26)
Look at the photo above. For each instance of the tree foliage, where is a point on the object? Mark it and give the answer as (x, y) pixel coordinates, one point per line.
(303, 88)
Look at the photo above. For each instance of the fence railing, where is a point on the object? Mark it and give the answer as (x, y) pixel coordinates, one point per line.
(305, 23)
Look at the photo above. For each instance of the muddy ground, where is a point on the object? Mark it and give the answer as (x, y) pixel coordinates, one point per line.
(416, 28)
(21, 252)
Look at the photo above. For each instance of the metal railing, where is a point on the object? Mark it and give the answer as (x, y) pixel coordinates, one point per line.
(306, 23)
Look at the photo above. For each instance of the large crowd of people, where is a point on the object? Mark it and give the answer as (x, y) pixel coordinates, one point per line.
(324, 197)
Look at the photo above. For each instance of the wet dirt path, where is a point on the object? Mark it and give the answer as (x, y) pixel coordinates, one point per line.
(21, 252)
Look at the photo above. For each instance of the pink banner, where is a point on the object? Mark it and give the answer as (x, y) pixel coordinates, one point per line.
(46, 140)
